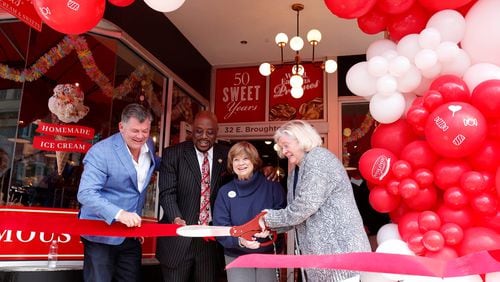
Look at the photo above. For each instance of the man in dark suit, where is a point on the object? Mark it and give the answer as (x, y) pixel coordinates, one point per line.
(190, 259)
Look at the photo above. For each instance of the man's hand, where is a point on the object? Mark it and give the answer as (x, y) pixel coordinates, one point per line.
(179, 221)
(263, 234)
(271, 173)
(249, 244)
(130, 219)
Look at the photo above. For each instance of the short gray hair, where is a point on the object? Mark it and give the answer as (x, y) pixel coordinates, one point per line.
(137, 111)
(303, 132)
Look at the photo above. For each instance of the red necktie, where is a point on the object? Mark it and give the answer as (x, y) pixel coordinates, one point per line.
(205, 191)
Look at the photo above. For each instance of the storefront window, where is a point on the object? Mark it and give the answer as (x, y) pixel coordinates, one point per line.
(82, 82)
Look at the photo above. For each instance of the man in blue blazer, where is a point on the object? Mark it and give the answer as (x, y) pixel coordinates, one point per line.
(117, 171)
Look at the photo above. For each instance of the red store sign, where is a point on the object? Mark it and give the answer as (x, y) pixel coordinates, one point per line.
(240, 95)
(23, 10)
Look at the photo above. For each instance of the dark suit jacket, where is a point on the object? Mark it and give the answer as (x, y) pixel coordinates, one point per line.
(180, 186)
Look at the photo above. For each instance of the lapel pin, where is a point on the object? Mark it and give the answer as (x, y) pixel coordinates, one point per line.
(219, 160)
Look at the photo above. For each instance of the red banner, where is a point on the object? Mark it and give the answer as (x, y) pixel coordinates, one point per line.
(51, 144)
(282, 106)
(25, 233)
(65, 130)
(240, 95)
(23, 10)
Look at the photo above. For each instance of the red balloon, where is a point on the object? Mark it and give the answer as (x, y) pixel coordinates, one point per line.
(419, 154)
(382, 201)
(349, 9)
(452, 87)
(425, 199)
(485, 203)
(455, 129)
(433, 5)
(433, 240)
(462, 217)
(497, 181)
(487, 157)
(447, 172)
(415, 243)
(478, 239)
(432, 99)
(375, 165)
(392, 187)
(395, 6)
(424, 177)
(494, 129)
(417, 117)
(428, 220)
(408, 188)
(401, 169)
(445, 254)
(473, 182)
(70, 17)
(121, 3)
(455, 198)
(465, 8)
(452, 233)
(408, 224)
(492, 222)
(411, 21)
(372, 22)
(392, 136)
(486, 98)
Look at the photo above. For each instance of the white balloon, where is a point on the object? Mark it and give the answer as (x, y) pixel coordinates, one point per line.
(386, 85)
(408, 46)
(375, 277)
(388, 231)
(393, 246)
(447, 51)
(164, 5)
(390, 54)
(409, 98)
(378, 66)
(425, 58)
(480, 72)
(423, 86)
(450, 24)
(429, 38)
(360, 81)
(469, 278)
(432, 72)
(458, 65)
(493, 277)
(410, 80)
(416, 278)
(387, 109)
(399, 65)
(378, 47)
(482, 39)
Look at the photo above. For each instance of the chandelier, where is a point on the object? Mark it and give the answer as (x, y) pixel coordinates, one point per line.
(296, 44)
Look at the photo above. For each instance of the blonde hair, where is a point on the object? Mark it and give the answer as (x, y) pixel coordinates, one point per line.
(244, 148)
(303, 132)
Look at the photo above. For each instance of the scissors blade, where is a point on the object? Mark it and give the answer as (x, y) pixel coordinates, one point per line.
(203, 231)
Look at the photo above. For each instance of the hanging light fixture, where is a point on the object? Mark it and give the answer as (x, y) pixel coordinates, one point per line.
(296, 44)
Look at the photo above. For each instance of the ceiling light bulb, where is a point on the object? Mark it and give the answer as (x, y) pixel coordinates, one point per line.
(281, 39)
(164, 6)
(314, 36)
(298, 69)
(296, 43)
(297, 92)
(265, 69)
(296, 81)
(330, 66)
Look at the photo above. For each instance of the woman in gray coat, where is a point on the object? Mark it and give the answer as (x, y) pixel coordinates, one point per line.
(321, 206)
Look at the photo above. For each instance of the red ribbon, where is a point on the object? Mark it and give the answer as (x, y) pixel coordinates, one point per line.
(475, 263)
(68, 222)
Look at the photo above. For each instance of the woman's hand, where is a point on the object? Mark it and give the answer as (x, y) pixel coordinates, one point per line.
(263, 234)
(248, 244)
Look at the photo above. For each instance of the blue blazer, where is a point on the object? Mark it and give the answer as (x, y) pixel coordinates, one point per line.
(109, 183)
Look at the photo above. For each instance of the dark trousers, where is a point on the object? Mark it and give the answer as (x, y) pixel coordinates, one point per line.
(106, 263)
(201, 264)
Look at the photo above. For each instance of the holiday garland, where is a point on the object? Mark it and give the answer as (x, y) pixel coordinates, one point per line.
(355, 135)
(78, 44)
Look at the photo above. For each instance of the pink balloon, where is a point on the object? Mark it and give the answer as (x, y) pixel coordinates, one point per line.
(462, 217)
(382, 201)
(408, 224)
(392, 187)
(121, 3)
(444, 254)
(408, 188)
(473, 182)
(455, 129)
(433, 240)
(486, 157)
(419, 154)
(349, 9)
(415, 243)
(447, 172)
(424, 177)
(392, 136)
(428, 220)
(455, 198)
(401, 169)
(375, 165)
(425, 199)
(70, 17)
(452, 233)
(479, 239)
(452, 87)
(485, 204)
(486, 98)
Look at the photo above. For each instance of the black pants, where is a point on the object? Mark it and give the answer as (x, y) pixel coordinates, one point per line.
(106, 263)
